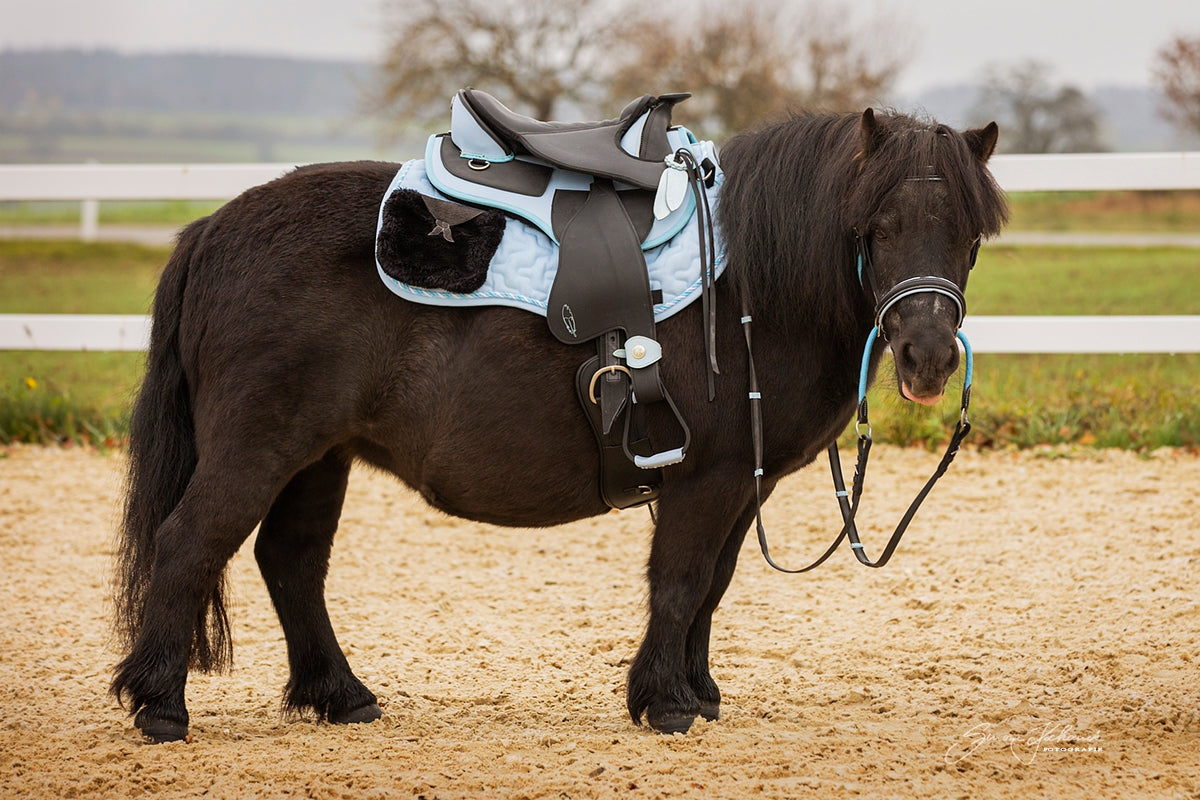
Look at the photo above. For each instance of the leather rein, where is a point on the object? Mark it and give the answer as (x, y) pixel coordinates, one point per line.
(848, 501)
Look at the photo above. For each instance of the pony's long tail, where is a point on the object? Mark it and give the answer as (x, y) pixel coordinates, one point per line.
(162, 458)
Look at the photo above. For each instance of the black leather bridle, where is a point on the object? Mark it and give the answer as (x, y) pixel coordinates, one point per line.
(848, 502)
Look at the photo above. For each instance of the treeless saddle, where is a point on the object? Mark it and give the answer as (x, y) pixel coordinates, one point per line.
(603, 192)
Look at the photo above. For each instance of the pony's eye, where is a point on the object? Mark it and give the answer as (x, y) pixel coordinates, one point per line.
(879, 234)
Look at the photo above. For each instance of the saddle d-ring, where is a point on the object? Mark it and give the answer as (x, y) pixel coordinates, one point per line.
(612, 370)
(478, 164)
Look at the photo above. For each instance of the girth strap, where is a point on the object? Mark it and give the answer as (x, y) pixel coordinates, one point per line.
(612, 395)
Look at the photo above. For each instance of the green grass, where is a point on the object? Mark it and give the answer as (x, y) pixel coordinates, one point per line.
(1137, 212)
(1131, 401)
(112, 212)
(1107, 400)
(1085, 280)
(53, 396)
(1139, 402)
(71, 277)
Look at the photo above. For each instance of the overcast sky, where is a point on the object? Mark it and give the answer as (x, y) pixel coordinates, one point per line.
(1085, 42)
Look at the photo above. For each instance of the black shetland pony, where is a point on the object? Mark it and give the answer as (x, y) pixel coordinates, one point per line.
(278, 357)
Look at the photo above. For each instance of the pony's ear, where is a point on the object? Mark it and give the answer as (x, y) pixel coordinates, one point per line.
(871, 133)
(982, 141)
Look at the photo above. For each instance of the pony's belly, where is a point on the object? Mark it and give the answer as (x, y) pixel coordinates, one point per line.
(528, 501)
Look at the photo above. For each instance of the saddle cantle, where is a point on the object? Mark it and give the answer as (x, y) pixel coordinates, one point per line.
(629, 149)
(496, 158)
(596, 191)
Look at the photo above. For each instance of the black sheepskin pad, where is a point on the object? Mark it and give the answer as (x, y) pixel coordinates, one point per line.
(436, 244)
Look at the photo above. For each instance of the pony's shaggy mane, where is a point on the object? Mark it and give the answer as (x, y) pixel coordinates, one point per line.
(817, 161)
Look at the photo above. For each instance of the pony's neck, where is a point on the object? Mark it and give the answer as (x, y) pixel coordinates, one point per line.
(782, 218)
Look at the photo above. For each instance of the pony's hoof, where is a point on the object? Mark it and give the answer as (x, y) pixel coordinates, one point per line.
(710, 710)
(367, 713)
(671, 723)
(159, 730)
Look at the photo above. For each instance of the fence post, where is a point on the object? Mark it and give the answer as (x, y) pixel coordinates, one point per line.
(89, 216)
(89, 220)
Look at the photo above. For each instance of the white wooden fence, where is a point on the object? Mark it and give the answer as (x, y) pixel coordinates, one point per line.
(90, 183)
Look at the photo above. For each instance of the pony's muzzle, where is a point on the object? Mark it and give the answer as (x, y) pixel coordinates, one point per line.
(924, 363)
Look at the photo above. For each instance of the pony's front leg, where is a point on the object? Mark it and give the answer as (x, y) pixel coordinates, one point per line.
(695, 521)
(696, 648)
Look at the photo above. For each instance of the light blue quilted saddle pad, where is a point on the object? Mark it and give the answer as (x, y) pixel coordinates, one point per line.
(522, 270)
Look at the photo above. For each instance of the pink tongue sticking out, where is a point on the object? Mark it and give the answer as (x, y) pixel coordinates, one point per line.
(907, 392)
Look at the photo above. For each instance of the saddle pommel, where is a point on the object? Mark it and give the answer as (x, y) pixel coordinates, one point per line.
(629, 149)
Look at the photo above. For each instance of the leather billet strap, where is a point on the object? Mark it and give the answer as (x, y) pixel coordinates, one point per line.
(699, 177)
(614, 391)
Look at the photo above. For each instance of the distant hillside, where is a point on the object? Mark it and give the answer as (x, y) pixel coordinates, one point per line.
(77, 105)
(108, 81)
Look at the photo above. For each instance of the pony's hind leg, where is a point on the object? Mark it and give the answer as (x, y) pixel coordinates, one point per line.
(292, 550)
(183, 622)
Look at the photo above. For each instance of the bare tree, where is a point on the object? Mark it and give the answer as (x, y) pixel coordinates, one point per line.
(753, 60)
(1177, 73)
(745, 61)
(1035, 115)
(535, 54)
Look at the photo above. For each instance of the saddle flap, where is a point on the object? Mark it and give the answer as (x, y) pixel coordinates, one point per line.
(567, 204)
(601, 281)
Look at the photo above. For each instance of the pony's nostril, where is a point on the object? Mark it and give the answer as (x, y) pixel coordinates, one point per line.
(907, 359)
(951, 362)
